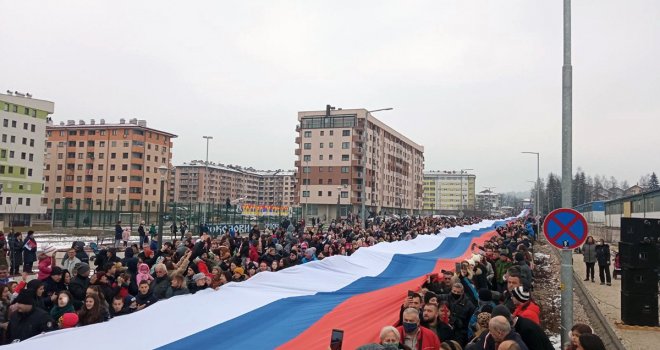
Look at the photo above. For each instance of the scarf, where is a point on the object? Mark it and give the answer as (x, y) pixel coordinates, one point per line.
(56, 312)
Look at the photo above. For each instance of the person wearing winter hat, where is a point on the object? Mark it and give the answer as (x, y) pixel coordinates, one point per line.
(28, 320)
(531, 333)
(79, 283)
(198, 283)
(525, 306)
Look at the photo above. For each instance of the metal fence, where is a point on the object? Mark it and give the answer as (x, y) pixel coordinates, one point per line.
(102, 215)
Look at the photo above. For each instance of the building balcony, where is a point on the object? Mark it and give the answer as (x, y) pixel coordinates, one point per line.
(297, 163)
(356, 162)
(297, 151)
(298, 140)
(356, 138)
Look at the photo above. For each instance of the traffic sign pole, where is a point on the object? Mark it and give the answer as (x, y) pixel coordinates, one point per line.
(566, 229)
(567, 173)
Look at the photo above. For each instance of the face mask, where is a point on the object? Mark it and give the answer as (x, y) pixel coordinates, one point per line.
(456, 296)
(409, 327)
(391, 343)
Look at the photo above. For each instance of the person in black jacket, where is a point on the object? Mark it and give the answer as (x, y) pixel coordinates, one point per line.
(603, 256)
(119, 232)
(15, 252)
(142, 233)
(145, 297)
(79, 283)
(28, 320)
(29, 252)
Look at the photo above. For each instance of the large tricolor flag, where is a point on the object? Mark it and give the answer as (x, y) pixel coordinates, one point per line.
(295, 308)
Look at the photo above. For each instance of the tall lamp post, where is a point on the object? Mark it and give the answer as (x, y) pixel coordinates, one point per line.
(206, 174)
(162, 170)
(118, 188)
(338, 204)
(538, 185)
(365, 148)
(462, 172)
(306, 168)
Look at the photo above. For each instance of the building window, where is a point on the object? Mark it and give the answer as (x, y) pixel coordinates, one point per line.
(332, 132)
(344, 194)
(307, 169)
(304, 194)
(330, 157)
(345, 158)
(307, 134)
(124, 156)
(344, 169)
(321, 145)
(320, 157)
(346, 133)
(321, 192)
(113, 155)
(307, 158)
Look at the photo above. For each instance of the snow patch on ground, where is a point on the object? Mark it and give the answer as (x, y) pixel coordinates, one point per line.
(541, 256)
(555, 339)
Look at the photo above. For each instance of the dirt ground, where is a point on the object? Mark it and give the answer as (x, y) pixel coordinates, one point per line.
(608, 299)
(547, 293)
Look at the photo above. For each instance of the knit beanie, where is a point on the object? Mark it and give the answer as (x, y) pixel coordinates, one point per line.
(520, 294)
(25, 297)
(68, 320)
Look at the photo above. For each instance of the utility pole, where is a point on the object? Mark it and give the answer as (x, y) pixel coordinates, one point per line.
(567, 177)
(206, 174)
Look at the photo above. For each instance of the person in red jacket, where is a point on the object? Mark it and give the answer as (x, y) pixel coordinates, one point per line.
(525, 306)
(415, 336)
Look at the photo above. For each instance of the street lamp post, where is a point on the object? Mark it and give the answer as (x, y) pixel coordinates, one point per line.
(306, 168)
(338, 203)
(462, 172)
(538, 184)
(163, 174)
(118, 188)
(206, 174)
(365, 147)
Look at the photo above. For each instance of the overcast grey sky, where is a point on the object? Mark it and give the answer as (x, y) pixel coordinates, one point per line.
(475, 82)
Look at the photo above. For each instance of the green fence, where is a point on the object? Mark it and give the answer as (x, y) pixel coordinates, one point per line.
(102, 215)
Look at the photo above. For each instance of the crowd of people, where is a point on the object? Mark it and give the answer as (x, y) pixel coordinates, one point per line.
(485, 303)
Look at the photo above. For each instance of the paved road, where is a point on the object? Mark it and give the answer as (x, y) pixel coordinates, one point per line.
(608, 299)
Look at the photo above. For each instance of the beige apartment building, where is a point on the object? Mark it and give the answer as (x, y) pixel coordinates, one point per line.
(197, 182)
(449, 190)
(93, 165)
(347, 158)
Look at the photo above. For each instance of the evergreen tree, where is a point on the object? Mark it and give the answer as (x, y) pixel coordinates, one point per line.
(653, 182)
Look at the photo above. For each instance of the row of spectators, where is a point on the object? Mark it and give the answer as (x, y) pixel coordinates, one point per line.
(485, 303)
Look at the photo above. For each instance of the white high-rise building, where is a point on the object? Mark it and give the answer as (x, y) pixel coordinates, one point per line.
(22, 141)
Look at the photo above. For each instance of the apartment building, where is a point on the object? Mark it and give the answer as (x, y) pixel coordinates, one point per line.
(101, 166)
(197, 182)
(347, 158)
(487, 200)
(449, 190)
(23, 135)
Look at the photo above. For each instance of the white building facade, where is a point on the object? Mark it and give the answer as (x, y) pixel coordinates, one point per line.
(22, 141)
